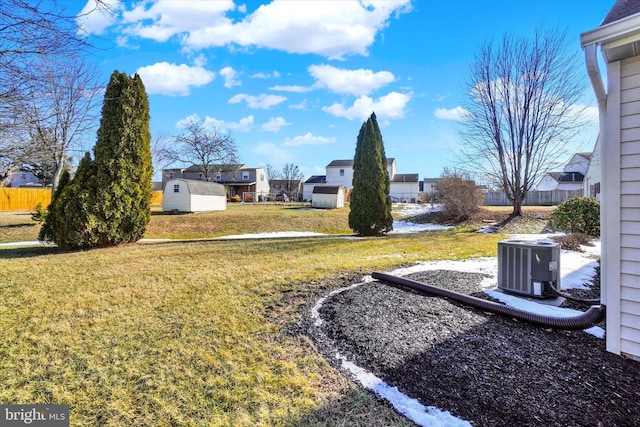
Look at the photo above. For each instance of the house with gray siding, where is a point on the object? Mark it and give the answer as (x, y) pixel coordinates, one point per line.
(617, 43)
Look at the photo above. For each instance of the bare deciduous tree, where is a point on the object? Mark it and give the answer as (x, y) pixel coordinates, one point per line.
(207, 148)
(60, 110)
(29, 30)
(292, 176)
(272, 172)
(521, 110)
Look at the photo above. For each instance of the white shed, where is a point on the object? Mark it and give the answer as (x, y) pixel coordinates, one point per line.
(328, 197)
(187, 195)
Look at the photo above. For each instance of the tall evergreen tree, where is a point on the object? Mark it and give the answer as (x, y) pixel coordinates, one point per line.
(108, 201)
(370, 207)
(123, 161)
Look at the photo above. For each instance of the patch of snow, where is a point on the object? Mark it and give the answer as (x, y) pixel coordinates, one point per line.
(427, 416)
(271, 235)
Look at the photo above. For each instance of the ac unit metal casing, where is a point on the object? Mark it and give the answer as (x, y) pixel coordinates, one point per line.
(529, 267)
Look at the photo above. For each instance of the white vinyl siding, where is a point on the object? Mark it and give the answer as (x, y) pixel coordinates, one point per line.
(200, 203)
(176, 200)
(630, 206)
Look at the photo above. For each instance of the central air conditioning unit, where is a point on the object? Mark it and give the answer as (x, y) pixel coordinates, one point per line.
(529, 268)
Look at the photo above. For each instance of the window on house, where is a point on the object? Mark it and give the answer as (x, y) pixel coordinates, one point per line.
(261, 177)
(218, 176)
(176, 188)
(245, 175)
(341, 172)
(170, 175)
(200, 176)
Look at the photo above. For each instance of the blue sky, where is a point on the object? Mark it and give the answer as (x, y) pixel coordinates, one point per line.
(293, 81)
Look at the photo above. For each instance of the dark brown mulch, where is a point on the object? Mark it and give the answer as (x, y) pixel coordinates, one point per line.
(487, 369)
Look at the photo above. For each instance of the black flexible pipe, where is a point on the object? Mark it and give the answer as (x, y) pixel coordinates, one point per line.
(572, 298)
(593, 315)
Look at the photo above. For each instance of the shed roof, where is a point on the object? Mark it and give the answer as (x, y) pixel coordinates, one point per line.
(202, 188)
(327, 189)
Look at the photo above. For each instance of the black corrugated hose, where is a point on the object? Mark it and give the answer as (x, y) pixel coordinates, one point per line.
(593, 315)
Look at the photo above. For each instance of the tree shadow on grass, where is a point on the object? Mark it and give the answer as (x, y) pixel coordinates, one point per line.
(27, 252)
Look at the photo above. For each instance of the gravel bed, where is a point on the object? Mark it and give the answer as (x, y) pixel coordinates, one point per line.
(485, 368)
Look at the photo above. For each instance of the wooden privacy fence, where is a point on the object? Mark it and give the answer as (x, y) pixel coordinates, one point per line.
(23, 199)
(534, 198)
(26, 199)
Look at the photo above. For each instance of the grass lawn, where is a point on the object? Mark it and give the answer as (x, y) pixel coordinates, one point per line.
(193, 333)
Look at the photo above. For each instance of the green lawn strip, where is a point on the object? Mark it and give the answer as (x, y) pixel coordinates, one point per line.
(179, 333)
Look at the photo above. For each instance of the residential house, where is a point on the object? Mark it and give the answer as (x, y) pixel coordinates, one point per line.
(310, 184)
(23, 178)
(549, 181)
(403, 187)
(592, 177)
(429, 185)
(187, 195)
(250, 184)
(617, 91)
(571, 177)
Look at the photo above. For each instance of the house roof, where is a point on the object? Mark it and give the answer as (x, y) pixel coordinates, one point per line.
(316, 179)
(431, 180)
(201, 188)
(217, 167)
(555, 175)
(571, 177)
(618, 34)
(405, 177)
(327, 189)
(349, 163)
(621, 9)
(585, 155)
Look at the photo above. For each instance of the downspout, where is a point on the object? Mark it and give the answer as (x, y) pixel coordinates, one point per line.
(591, 59)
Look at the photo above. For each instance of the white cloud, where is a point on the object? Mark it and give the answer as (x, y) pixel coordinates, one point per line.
(163, 19)
(300, 106)
(352, 82)
(95, 18)
(230, 77)
(458, 113)
(333, 29)
(174, 80)
(391, 106)
(275, 124)
(308, 139)
(262, 101)
(261, 75)
(272, 154)
(292, 88)
(244, 125)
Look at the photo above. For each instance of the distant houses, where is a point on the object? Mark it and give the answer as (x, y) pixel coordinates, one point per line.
(570, 178)
(403, 187)
(250, 184)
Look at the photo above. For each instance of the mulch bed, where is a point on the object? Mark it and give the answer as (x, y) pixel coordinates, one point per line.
(485, 368)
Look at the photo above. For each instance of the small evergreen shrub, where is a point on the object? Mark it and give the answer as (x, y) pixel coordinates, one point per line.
(578, 215)
(40, 214)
